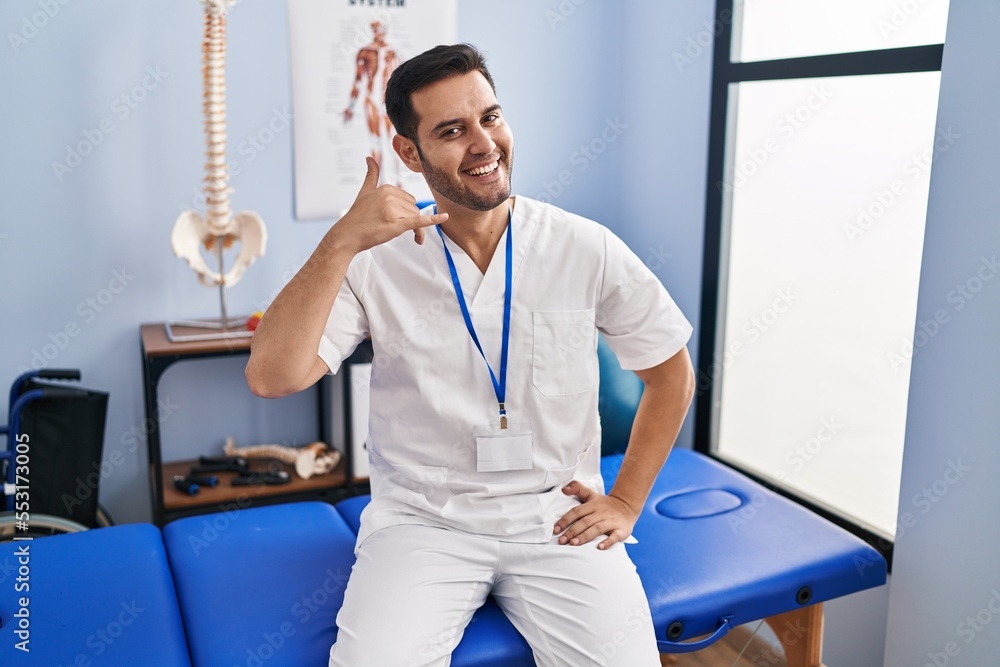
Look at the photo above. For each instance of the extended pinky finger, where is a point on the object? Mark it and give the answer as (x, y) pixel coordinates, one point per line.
(615, 537)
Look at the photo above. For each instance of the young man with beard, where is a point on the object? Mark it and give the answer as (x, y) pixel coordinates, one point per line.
(484, 437)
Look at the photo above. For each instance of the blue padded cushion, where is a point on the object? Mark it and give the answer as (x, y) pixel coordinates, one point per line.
(617, 400)
(747, 560)
(351, 509)
(489, 641)
(100, 597)
(698, 504)
(261, 586)
(711, 543)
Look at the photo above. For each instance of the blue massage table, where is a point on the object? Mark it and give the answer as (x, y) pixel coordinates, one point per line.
(261, 587)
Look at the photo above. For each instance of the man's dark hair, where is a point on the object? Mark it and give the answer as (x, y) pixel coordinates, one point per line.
(429, 67)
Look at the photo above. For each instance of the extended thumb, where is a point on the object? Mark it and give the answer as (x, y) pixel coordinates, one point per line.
(371, 178)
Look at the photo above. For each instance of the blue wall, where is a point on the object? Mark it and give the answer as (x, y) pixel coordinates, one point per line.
(84, 239)
(944, 604)
(86, 255)
(609, 123)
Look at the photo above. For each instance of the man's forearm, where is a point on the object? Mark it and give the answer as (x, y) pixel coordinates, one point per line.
(284, 350)
(283, 357)
(668, 391)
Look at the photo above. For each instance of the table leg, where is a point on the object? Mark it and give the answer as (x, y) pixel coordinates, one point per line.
(801, 635)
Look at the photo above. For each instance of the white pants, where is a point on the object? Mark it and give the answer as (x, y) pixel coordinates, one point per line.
(414, 589)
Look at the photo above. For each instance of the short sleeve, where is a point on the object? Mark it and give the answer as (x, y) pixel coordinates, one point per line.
(639, 319)
(347, 324)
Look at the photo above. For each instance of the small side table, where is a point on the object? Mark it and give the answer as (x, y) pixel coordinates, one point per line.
(158, 354)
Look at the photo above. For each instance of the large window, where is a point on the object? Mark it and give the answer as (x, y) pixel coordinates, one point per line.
(823, 133)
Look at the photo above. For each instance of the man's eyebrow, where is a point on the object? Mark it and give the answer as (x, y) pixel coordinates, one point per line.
(454, 121)
(445, 123)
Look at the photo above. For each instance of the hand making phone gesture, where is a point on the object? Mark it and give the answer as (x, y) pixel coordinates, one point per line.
(380, 214)
(283, 357)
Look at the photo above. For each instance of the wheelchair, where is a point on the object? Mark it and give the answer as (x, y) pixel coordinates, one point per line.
(55, 435)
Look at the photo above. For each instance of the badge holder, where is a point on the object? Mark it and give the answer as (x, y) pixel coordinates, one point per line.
(501, 449)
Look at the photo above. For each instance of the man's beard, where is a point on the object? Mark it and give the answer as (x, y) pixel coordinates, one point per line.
(456, 191)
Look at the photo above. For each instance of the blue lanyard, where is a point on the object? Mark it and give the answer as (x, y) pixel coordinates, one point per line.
(499, 387)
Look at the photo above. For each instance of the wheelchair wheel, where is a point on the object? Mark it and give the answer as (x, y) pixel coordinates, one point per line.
(103, 518)
(41, 525)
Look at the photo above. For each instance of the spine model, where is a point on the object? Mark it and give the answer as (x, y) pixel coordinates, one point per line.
(314, 459)
(219, 228)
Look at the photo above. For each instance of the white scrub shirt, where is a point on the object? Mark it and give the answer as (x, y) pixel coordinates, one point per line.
(431, 389)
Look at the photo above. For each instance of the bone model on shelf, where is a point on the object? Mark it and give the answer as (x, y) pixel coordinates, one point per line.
(314, 459)
(219, 228)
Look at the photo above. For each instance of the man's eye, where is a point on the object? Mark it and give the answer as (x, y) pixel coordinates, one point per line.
(491, 117)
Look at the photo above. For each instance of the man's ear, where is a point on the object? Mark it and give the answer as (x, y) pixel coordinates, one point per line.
(407, 152)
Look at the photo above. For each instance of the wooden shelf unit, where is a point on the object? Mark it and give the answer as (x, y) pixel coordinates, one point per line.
(225, 493)
(158, 354)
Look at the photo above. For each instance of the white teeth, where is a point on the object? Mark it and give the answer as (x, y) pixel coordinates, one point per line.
(483, 170)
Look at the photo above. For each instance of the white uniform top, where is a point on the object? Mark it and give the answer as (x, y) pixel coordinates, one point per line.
(430, 388)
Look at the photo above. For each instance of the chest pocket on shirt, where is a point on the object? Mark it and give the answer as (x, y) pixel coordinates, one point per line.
(564, 361)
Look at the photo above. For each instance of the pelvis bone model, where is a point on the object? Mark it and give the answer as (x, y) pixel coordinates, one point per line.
(219, 228)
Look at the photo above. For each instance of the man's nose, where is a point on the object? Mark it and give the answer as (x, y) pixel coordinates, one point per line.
(482, 142)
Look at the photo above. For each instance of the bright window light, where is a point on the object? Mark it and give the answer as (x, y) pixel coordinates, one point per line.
(827, 185)
(773, 29)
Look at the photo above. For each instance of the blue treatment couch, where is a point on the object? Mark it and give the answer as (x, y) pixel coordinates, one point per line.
(261, 587)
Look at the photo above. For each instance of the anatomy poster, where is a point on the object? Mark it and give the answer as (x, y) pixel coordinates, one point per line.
(342, 53)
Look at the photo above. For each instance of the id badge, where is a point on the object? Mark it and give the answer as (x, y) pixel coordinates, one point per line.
(499, 449)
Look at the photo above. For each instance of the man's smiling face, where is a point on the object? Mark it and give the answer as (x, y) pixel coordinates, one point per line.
(464, 145)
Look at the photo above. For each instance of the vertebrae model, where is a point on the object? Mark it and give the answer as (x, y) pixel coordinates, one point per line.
(314, 459)
(219, 228)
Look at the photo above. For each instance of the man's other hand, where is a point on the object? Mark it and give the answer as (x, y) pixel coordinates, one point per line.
(597, 514)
